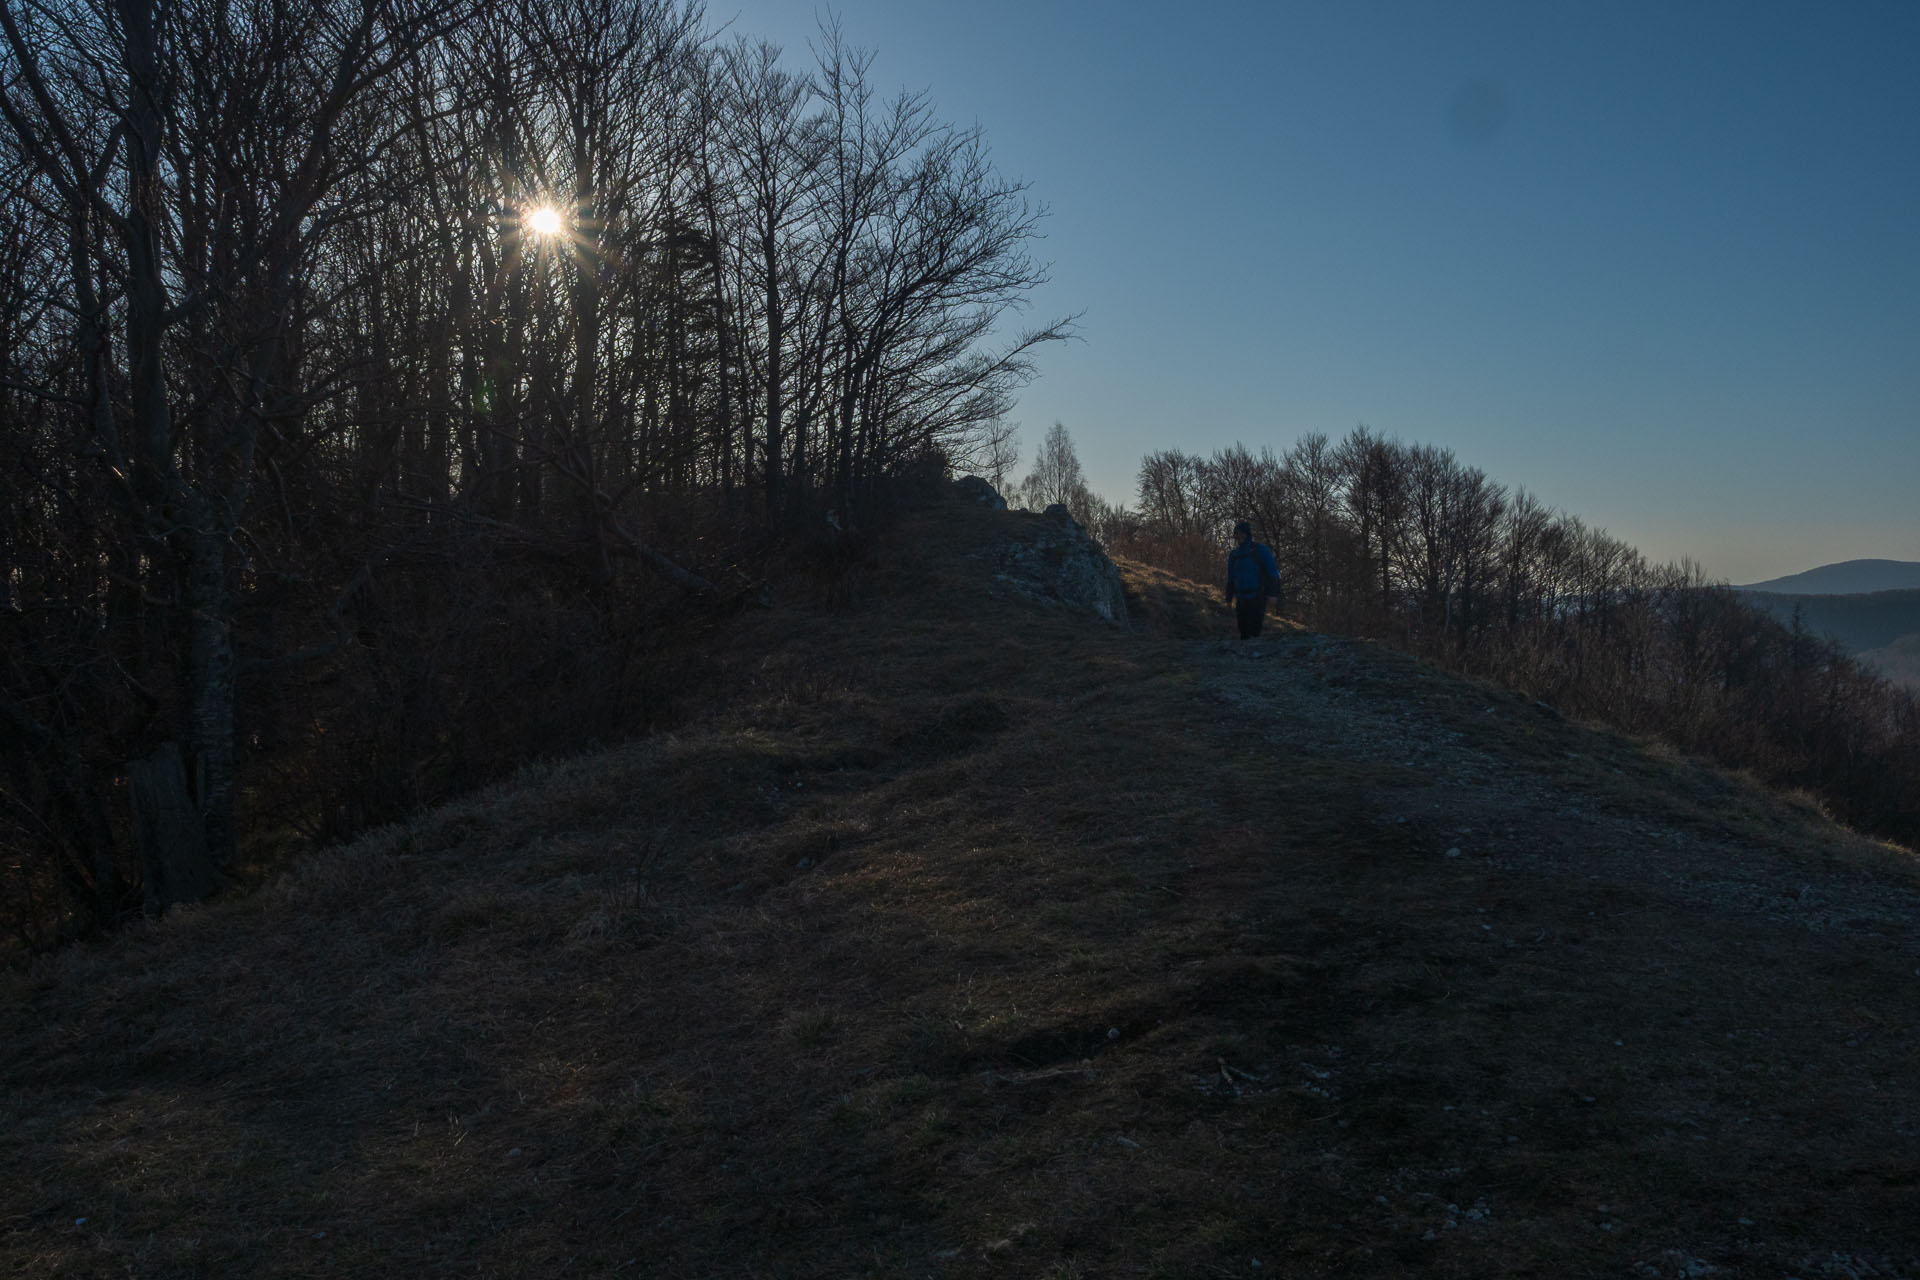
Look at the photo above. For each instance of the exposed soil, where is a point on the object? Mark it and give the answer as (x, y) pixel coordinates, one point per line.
(970, 937)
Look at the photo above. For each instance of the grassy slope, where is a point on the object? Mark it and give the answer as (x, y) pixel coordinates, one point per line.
(970, 938)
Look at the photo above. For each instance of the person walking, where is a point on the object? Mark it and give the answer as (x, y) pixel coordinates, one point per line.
(1252, 576)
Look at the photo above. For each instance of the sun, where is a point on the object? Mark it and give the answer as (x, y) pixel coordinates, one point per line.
(544, 221)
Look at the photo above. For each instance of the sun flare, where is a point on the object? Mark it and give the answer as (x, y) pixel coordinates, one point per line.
(544, 221)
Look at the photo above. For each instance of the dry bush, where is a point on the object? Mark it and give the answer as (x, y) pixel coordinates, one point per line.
(468, 662)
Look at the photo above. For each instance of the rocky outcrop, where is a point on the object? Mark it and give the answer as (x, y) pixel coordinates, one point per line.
(1053, 559)
(977, 489)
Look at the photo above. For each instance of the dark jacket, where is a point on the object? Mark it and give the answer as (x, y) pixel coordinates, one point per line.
(1244, 565)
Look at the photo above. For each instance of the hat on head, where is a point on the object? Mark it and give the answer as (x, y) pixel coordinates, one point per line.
(1243, 527)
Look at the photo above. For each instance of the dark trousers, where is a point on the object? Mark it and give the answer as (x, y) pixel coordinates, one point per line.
(1250, 610)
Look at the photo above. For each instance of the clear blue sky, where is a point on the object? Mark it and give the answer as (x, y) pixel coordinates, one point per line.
(1657, 262)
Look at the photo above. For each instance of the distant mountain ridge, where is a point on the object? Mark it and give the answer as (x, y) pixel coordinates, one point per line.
(1857, 622)
(1846, 578)
(1870, 607)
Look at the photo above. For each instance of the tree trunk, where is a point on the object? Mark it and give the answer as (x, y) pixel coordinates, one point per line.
(776, 338)
(146, 288)
(211, 669)
(174, 863)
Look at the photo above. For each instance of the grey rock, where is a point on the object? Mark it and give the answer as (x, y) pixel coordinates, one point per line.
(976, 489)
(1059, 563)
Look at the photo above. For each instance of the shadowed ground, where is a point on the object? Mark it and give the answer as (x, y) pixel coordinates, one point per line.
(969, 937)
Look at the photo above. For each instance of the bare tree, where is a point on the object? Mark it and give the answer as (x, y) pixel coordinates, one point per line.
(1173, 494)
(993, 454)
(199, 158)
(288, 372)
(1375, 470)
(1312, 470)
(778, 149)
(1241, 485)
(1056, 476)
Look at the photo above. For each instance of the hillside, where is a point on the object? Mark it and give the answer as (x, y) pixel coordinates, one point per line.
(966, 935)
(1848, 577)
(1899, 661)
(1857, 623)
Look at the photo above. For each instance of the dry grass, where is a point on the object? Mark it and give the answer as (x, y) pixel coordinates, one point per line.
(963, 937)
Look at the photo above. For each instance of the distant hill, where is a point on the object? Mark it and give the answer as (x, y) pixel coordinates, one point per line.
(1847, 578)
(1899, 661)
(1858, 622)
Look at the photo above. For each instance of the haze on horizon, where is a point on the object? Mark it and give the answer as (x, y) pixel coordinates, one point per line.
(1653, 263)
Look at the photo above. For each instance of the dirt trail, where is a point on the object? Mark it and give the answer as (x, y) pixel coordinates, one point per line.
(1614, 811)
(1703, 993)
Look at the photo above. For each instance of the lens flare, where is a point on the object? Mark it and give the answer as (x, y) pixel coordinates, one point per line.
(544, 221)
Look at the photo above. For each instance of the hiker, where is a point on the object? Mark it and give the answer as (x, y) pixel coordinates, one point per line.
(1252, 576)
